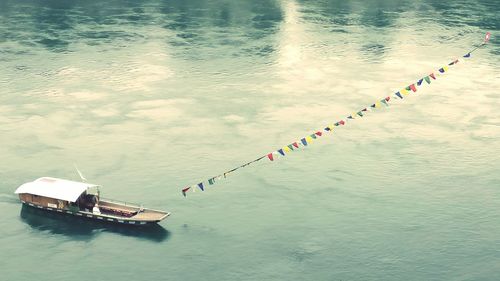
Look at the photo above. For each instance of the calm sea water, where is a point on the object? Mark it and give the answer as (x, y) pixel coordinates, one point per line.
(150, 96)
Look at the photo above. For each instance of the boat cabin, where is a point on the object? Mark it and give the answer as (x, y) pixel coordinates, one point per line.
(60, 194)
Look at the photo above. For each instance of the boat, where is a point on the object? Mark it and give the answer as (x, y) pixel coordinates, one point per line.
(83, 199)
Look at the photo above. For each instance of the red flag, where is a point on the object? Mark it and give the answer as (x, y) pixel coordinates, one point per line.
(432, 76)
(341, 122)
(296, 144)
(487, 37)
(185, 190)
(387, 98)
(318, 133)
(270, 156)
(413, 88)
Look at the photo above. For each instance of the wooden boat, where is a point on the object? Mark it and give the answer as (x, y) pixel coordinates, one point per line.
(83, 199)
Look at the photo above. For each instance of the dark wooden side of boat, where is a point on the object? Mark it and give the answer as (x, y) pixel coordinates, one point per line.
(60, 206)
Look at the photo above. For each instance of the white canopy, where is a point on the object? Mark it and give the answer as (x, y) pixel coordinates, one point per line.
(55, 188)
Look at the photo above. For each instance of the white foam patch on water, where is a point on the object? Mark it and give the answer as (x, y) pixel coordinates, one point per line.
(234, 118)
(106, 111)
(160, 110)
(87, 95)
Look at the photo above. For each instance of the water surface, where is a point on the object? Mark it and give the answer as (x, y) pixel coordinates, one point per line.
(150, 96)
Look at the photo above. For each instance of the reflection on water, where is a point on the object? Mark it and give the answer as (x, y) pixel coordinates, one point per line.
(83, 229)
(149, 96)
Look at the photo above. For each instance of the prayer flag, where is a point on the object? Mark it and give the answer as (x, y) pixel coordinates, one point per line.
(487, 37)
(313, 136)
(399, 95)
(432, 76)
(420, 82)
(328, 129)
(211, 181)
(467, 55)
(309, 139)
(304, 141)
(295, 144)
(408, 88)
(350, 117)
(373, 105)
(413, 88)
(270, 156)
(387, 98)
(185, 190)
(200, 185)
(290, 147)
(445, 68)
(384, 102)
(441, 70)
(427, 79)
(281, 152)
(341, 122)
(404, 92)
(364, 109)
(318, 133)
(286, 149)
(360, 113)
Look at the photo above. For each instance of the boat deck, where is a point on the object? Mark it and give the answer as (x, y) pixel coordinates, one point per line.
(130, 211)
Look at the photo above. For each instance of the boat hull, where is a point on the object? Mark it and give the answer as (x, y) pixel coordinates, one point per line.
(96, 217)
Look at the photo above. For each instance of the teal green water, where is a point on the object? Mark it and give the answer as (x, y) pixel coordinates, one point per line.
(150, 96)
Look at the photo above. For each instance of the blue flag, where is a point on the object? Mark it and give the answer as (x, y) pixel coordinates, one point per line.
(304, 142)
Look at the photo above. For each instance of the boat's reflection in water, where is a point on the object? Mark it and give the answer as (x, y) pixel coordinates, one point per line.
(78, 228)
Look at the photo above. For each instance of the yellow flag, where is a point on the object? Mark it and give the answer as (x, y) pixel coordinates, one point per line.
(286, 149)
(445, 68)
(309, 139)
(404, 92)
(378, 104)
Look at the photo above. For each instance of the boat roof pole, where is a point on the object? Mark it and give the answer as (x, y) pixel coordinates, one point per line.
(80, 174)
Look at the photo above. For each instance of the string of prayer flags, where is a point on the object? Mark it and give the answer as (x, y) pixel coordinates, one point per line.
(305, 141)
